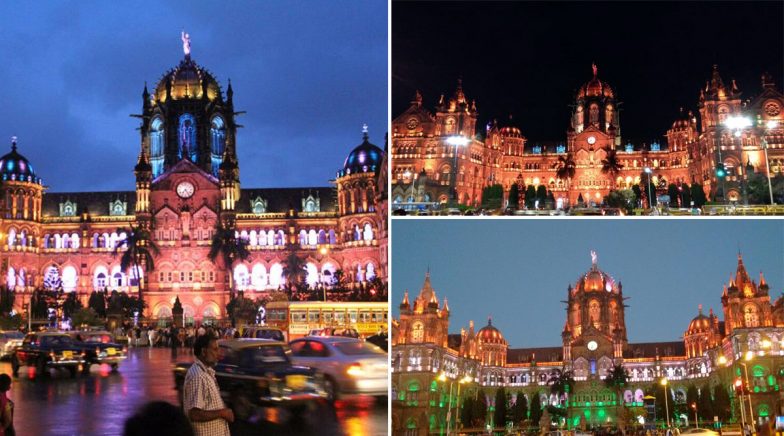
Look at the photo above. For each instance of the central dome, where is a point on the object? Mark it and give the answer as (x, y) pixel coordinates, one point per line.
(14, 166)
(188, 80)
(490, 334)
(366, 157)
(595, 87)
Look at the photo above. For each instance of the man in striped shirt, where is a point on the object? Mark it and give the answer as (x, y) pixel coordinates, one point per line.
(201, 399)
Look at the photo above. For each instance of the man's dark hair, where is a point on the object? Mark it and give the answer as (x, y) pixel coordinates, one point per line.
(158, 417)
(200, 343)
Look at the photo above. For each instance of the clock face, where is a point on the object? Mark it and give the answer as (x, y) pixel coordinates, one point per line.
(185, 189)
(591, 140)
(592, 345)
(412, 123)
(772, 109)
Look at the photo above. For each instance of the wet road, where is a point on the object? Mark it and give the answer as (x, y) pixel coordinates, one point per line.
(99, 403)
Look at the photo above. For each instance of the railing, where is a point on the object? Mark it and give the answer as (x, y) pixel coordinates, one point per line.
(728, 209)
(261, 216)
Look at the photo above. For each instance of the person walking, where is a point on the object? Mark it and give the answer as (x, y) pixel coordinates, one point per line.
(6, 407)
(201, 396)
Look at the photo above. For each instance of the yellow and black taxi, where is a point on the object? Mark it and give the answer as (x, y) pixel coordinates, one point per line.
(254, 373)
(99, 348)
(44, 350)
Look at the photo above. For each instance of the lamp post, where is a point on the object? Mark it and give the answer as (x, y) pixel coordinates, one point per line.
(408, 175)
(696, 420)
(749, 355)
(770, 125)
(651, 194)
(666, 405)
(443, 378)
(737, 123)
(462, 381)
(456, 141)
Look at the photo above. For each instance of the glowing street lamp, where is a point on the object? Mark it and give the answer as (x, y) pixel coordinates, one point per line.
(651, 194)
(407, 174)
(442, 378)
(749, 355)
(770, 125)
(666, 405)
(456, 141)
(737, 123)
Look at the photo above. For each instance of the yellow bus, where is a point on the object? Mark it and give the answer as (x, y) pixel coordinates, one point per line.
(298, 318)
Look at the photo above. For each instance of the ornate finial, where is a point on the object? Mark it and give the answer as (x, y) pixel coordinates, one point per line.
(489, 319)
(595, 69)
(186, 44)
(13, 143)
(594, 258)
(699, 308)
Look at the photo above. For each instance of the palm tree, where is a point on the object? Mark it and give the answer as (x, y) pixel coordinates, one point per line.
(611, 165)
(566, 167)
(561, 383)
(294, 270)
(229, 248)
(139, 251)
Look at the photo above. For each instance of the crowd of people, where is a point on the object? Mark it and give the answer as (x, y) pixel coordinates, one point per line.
(171, 336)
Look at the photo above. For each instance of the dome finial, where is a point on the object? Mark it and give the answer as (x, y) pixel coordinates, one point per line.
(594, 258)
(186, 44)
(365, 131)
(13, 143)
(595, 69)
(699, 308)
(490, 320)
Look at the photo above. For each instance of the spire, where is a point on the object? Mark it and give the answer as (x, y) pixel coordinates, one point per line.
(716, 83)
(741, 276)
(417, 101)
(405, 298)
(145, 93)
(13, 143)
(762, 280)
(446, 305)
(365, 132)
(143, 164)
(229, 93)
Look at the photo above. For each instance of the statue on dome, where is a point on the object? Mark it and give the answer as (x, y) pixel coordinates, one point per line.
(186, 43)
(594, 258)
(595, 69)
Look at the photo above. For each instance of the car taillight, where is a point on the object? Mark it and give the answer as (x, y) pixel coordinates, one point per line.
(52, 355)
(355, 370)
(97, 350)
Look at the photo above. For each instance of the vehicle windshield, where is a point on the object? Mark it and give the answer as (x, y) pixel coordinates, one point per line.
(265, 355)
(13, 335)
(358, 348)
(48, 341)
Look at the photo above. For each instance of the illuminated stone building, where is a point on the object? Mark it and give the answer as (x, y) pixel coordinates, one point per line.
(594, 340)
(424, 160)
(188, 180)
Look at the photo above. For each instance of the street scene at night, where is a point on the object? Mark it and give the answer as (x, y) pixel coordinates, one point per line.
(635, 327)
(193, 219)
(587, 108)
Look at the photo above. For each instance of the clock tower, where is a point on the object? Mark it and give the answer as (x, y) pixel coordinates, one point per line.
(594, 334)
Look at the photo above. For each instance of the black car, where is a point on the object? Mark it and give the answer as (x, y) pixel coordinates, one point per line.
(258, 372)
(46, 350)
(99, 347)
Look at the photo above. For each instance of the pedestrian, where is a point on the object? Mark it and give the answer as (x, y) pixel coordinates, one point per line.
(158, 418)
(6, 408)
(202, 401)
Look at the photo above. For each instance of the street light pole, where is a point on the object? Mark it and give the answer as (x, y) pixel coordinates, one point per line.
(770, 125)
(737, 123)
(455, 141)
(651, 194)
(666, 405)
(748, 394)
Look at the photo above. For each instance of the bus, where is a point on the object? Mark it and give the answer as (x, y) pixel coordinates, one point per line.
(298, 318)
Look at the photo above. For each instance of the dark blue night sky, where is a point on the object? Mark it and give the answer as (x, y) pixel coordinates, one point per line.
(518, 270)
(309, 74)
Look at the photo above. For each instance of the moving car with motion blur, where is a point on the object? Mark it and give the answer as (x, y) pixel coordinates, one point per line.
(44, 350)
(9, 341)
(99, 347)
(258, 332)
(258, 372)
(350, 366)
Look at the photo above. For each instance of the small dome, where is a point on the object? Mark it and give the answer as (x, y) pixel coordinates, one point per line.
(188, 80)
(490, 334)
(14, 166)
(595, 88)
(366, 157)
(699, 324)
(596, 280)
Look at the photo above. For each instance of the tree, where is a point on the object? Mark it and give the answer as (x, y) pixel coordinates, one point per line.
(759, 192)
(624, 199)
(97, 302)
(541, 196)
(721, 403)
(561, 384)
(229, 248)
(127, 306)
(611, 165)
(467, 412)
(648, 188)
(139, 253)
(698, 195)
(85, 316)
(692, 397)
(480, 409)
(6, 301)
(637, 194)
(685, 192)
(294, 271)
(616, 379)
(241, 308)
(566, 168)
(71, 305)
(499, 414)
(536, 409)
(492, 196)
(705, 404)
(520, 409)
(530, 196)
(514, 196)
(672, 191)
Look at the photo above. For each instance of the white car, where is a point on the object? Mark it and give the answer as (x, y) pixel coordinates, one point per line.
(9, 340)
(350, 366)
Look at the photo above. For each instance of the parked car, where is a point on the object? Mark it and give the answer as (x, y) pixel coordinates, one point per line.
(258, 372)
(99, 347)
(350, 366)
(260, 332)
(45, 350)
(346, 332)
(9, 341)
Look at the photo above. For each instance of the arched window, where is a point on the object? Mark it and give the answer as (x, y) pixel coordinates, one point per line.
(253, 238)
(360, 274)
(594, 311)
(312, 238)
(322, 237)
(417, 332)
(52, 279)
(312, 277)
(74, 240)
(371, 271)
(11, 278)
(281, 238)
(368, 233)
(156, 146)
(100, 278)
(332, 238)
(118, 278)
(259, 277)
(21, 278)
(69, 278)
(328, 274)
(357, 233)
(218, 137)
(186, 139)
(303, 238)
(750, 316)
(276, 276)
(241, 277)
